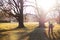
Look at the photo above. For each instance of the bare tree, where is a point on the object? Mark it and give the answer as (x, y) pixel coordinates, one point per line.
(15, 9)
(41, 15)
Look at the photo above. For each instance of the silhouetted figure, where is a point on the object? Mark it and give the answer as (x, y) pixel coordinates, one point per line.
(51, 27)
(50, 30)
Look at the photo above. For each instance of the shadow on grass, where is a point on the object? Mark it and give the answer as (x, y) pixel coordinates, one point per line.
(14, 35)
(13, 29)
(38, 34)
(55, 36)
(58, 35)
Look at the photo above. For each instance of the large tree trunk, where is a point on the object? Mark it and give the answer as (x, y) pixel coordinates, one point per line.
(20, 17)
(41, 24)
(20, 21)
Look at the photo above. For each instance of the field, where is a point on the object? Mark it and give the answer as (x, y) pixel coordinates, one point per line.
(8, 26)
(29, 25)
(31, 33)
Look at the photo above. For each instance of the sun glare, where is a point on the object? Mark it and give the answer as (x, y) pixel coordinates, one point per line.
(46, 4)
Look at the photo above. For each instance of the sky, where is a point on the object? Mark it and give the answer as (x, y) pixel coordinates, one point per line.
(29, 9)
(44, 4)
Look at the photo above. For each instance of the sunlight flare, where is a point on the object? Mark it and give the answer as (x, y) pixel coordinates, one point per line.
(46, 4)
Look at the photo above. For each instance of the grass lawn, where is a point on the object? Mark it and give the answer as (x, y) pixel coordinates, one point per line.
(29, 25)
(8, 26)
(31, 33)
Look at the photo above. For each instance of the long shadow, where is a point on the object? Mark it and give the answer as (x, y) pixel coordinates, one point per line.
(57, 35)
(14, 35)
(38, 34)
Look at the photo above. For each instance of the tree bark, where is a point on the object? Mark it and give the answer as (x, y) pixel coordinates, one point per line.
(41, 24)
(20, 21)
(20, 16)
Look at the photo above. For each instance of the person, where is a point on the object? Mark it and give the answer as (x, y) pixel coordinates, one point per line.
(50, 27)
(50, 30)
